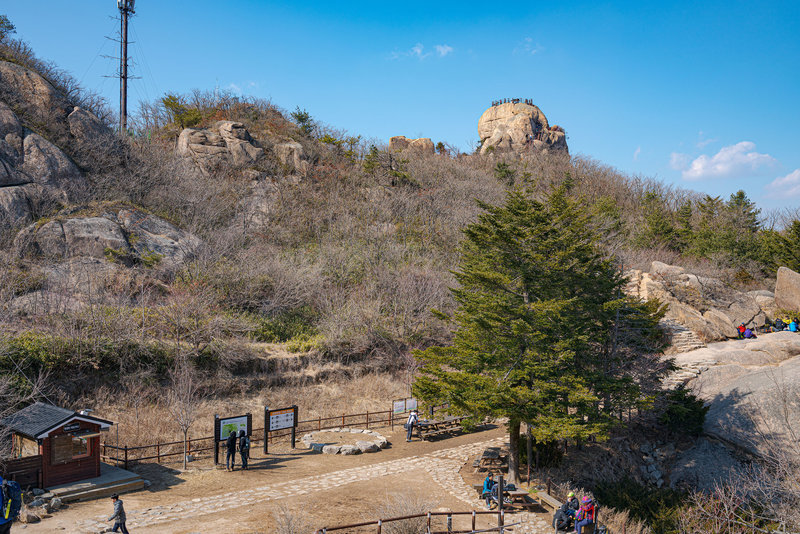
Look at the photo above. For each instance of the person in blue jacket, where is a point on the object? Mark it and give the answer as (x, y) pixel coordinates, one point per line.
(488, 484)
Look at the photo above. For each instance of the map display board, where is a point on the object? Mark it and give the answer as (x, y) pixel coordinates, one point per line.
(404, 405)
(283, 418)
(235, 424)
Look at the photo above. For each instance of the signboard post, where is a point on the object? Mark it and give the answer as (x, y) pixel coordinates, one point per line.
(280, 419)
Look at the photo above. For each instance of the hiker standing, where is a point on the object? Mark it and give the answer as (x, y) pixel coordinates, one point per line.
(118, 516)
(244, 448)
(413, 417)
(230, 447)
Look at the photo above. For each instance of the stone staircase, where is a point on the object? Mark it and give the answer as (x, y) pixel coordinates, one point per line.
(682, 339)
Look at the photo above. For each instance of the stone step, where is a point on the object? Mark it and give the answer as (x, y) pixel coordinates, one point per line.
(104, 491)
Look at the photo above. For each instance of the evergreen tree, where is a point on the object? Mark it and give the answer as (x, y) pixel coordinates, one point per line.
(658, 229)
(684, 230)
(536, 336)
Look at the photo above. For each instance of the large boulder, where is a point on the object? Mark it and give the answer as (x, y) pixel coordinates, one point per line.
(423, 145)
(749, 386)
(707, 306)
(292, 155)
(28, 91)
(787, 289)
(226, 142)
(517, 127)
(127, 236)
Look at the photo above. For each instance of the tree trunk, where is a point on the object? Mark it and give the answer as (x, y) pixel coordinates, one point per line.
(185, 438)
(513, 451)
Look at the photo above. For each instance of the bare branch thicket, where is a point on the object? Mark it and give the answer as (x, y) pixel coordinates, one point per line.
(288, 521)
(403, 505)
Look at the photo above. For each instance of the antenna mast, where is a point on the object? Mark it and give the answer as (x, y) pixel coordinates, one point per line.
(125, 8)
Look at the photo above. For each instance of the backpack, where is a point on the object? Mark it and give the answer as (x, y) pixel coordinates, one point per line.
(11, 499)
(246, 443)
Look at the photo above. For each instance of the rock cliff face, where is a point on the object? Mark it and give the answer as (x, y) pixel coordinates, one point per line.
(518, 127)
(787, 290)
(35, 173)
(706, 306)
(225, 142)
(424, 145)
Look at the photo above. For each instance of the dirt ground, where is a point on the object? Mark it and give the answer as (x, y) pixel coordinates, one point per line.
(380, 496)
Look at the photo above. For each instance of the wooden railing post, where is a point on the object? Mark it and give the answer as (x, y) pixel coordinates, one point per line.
(126, 457)
(342, 420)
(473, 520)
(549, 483)
(367, 419)
(449, 522)
(158, 452)
(319, 423)
(429, 521)
(380, 523)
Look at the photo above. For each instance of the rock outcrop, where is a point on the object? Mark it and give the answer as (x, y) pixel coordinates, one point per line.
(423, 145)
(33, 171)
(706, 306)
(787, 290)
(750, 388)
(518, 127)
(126, 236)
(226, 142)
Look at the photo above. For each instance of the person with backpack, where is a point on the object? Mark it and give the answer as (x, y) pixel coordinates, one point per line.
(488, 485)
(562, 519)
(11, 496)
(584, 517)
(793, 325)
(230, 447)
(413, 417)
(119, 515)
(244, 448)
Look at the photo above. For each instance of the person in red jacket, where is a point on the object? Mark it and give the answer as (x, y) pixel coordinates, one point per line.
(585, 514)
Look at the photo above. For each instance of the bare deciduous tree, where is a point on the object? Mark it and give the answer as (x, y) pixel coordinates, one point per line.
(183, 397)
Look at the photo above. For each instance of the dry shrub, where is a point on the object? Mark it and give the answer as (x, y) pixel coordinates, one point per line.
(617, 521)
(288, 521)
(403, 505)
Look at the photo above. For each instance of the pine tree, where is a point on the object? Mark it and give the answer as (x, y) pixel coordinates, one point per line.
(535, 338)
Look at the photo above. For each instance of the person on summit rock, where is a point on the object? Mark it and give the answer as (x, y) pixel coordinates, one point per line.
(741, 328)
(749, 334)
(793, 326)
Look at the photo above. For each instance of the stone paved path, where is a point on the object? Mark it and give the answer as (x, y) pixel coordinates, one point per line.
(443, 465)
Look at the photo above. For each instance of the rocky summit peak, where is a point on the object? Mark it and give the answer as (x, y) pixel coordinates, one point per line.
(518, 125)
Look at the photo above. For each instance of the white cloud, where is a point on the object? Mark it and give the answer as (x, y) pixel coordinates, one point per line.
(636, 153)
(443, 50)
(678, 161)
(418, 51)
(785, 186)
(731, 161)
(235, 88)
(526, 46)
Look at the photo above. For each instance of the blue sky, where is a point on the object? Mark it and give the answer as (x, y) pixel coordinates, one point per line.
(703, 95)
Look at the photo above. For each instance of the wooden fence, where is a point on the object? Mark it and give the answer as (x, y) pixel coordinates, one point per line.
(125, 456)
(26, 471)
(378, 523)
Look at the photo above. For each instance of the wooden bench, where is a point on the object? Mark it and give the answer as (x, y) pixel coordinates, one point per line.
(547, 500)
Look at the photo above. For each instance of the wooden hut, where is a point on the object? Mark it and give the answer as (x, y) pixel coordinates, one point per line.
(66, 442)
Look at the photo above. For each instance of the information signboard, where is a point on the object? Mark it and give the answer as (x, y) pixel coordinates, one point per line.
(223, 426)
(278, 420)
(233, 424)
(404, 405)
(283, 418)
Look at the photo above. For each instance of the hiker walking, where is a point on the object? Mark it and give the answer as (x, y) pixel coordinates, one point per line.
(413, 417)
(118, 516)
(230, 447)
(244, 448)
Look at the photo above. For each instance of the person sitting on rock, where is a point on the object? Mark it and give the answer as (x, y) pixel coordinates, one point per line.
(779, 325)
(749, 334)
(741, 328)
(793, 326)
